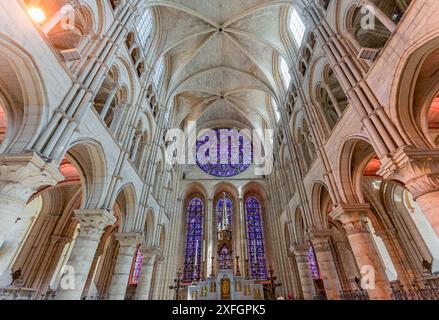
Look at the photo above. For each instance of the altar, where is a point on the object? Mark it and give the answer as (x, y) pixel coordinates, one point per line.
(227, 283)
(226, 286)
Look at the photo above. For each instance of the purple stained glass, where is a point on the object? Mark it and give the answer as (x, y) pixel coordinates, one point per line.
(255, 235)
(314, 268)
(237, 161)
(135, 274)
(194, 233)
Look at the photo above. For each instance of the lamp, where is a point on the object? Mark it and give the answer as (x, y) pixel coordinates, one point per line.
(37, 14)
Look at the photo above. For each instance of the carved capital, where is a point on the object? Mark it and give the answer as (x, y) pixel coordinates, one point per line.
(60, 240)
(386, 234)
(150, 252)
(418, 169)
(128, 242)
(93, 222)
(148, 261)
(353, 217)
(356, 227)
(299, 249)
(300, 253)
(128, 238)
(320, 240)
(22, 175)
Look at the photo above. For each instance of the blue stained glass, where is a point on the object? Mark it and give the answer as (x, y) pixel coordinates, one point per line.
(255, 235)
(312, 261)
(238, 162)
(194, 233)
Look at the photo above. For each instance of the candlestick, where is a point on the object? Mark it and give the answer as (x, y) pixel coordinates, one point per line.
(196, 253)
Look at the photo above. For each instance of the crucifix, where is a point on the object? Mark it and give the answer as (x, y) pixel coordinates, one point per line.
(273, 283)
(177, 287)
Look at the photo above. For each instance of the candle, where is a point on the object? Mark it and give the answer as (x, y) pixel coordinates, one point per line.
(196, 253)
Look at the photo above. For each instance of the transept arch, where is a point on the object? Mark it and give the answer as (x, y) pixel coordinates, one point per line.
(89, 158)
(355, 154)
(22, 97)
(412, 101)
(299, 227)
(322, 205)
(149, 229)
(126, 205)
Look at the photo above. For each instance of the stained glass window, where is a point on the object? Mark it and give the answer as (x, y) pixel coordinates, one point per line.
(312, 261)
(255, 236)
(238, 159)
(137, 266)
(219, 210)
(194, 233)
(225, 256)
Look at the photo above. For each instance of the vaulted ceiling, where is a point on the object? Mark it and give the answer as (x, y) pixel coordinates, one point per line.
(223, 58)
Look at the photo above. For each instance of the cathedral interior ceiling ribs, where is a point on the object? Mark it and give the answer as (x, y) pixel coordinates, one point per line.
(223, 55)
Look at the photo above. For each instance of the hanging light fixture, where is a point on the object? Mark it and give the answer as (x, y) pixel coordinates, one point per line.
(37, 14)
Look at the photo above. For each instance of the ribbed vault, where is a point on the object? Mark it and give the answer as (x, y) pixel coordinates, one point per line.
(223, 55)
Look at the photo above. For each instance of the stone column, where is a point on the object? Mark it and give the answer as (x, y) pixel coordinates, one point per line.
(109, 100)
(157, 276)
(395, 251)
(294, 277)
(325, 261)
(385, 20)
(144, 286)
(92, 224)
(128, 244)
(92, 273)
(59, 243)
(348, 262)
(368, 260)
(306, 282)
(20, 177)
(334, 101)
(418, 169)
(118, 116)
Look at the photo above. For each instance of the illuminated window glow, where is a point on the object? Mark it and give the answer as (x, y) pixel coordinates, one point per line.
(285, 72)
(137, 266)
(194, 234)
(238, 162)
(312, 261)
(255, 235)
(144, 28)
(37, 14)
(158, 72)
(297, 27)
